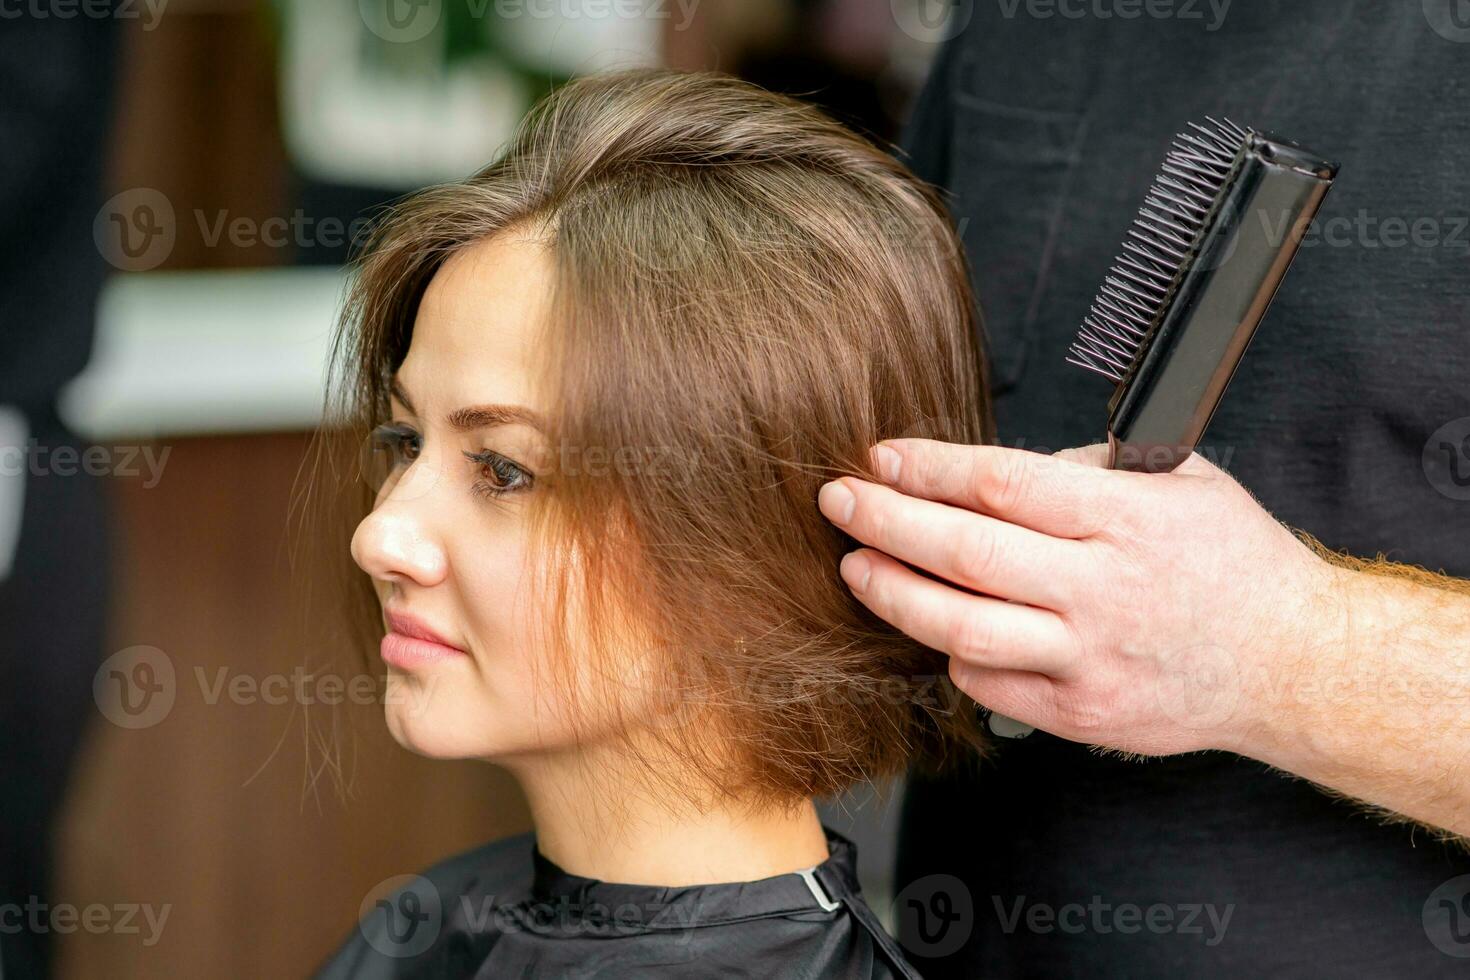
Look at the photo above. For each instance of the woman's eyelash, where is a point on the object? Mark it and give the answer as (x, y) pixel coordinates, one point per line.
(500, 474)
(497, 474)
(402, 442)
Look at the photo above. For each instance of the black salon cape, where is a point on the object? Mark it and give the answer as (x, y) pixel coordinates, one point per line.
(505, 912)
(1346, 419)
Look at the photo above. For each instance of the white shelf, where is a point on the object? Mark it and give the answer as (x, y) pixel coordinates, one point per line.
(190, 353)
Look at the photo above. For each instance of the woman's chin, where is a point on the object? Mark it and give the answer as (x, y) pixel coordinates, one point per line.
(438, 729)
(430, 736)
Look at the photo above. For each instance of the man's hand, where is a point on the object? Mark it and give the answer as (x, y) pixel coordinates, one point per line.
(1162, 613)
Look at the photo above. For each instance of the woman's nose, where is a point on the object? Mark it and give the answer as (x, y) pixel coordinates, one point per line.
(392, 545)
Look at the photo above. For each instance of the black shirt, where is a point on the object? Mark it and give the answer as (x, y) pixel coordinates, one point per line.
(505, 912)
(1349, 418)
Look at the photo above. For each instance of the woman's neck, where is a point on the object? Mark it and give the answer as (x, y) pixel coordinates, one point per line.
(598, 820)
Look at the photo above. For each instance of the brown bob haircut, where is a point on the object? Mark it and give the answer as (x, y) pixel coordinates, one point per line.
(747, 298)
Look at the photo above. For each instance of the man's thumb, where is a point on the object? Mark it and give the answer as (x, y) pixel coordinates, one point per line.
(1097, 455)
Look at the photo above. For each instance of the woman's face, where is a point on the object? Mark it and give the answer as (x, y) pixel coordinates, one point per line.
(446, 541)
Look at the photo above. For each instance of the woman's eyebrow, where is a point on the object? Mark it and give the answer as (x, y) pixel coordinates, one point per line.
(473, 417)
(481, 416)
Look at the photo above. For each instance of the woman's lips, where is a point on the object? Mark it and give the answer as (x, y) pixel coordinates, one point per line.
(410, 643)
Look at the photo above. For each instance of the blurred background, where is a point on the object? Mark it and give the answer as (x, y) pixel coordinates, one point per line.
(181, 182)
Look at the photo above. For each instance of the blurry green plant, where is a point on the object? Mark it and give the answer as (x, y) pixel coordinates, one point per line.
(465, 32)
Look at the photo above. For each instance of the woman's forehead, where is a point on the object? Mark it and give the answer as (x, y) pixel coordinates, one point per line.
(478, 325)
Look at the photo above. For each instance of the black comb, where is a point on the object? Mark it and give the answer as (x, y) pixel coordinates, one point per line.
(1199, 266)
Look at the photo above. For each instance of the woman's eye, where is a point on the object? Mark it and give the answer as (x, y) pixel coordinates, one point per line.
(398, 442)
(497, 474)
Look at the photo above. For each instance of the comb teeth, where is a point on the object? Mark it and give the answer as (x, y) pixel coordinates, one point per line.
(1158, 247)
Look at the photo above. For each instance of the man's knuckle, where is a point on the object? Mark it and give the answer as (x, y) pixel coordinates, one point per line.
(877, 521)
(974, 557)
(1082, 716)
(1009, 483)
(975, 472)
(924, 470)
(972, 638)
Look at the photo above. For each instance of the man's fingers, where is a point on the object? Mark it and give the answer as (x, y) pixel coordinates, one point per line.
(1027, 697)
(977, 630)
(1058, 496)
(969, 549)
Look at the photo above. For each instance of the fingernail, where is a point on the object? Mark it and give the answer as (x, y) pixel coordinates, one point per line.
(889, 463)
(837, 502)
(856, 570)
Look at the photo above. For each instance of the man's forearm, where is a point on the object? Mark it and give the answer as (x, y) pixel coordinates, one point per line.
(1378, 706)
